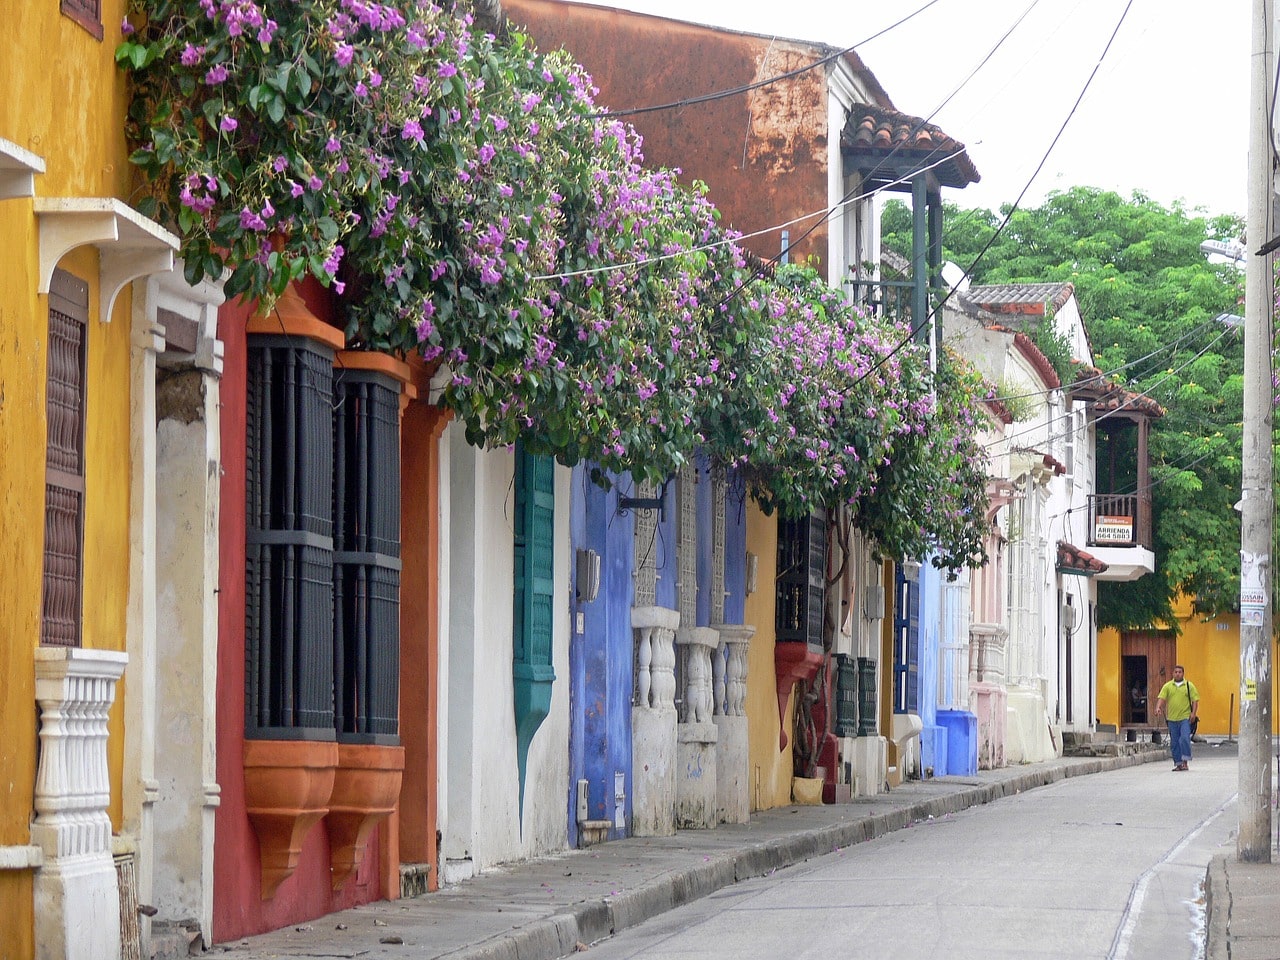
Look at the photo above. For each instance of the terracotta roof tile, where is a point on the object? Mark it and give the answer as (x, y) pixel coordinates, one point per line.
(1106, 395)
(1028, 298)
(872, 130)
(1071, 557)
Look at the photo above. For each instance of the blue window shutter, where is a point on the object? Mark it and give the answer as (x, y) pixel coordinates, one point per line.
(906, 643)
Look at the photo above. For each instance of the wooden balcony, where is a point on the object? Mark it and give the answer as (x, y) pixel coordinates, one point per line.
(1120, 520)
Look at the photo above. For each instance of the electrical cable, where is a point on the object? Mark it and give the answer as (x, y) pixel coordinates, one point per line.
(756, 85)
(824, 214)
(1128, 402)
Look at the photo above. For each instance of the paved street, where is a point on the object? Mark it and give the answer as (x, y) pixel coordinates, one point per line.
(1072, 857)
(1102, 866)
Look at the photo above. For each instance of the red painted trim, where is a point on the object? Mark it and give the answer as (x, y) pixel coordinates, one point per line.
(238, 908)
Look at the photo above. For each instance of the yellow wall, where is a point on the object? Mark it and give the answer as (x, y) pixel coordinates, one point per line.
(1210, 651)
(64, 101)
(770, 768)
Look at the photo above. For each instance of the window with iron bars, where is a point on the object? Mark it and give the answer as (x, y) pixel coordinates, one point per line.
(323, 547)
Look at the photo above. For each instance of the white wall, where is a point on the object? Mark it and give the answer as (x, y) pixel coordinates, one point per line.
(479, 789)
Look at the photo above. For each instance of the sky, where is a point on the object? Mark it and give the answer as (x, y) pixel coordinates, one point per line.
(1166, 114)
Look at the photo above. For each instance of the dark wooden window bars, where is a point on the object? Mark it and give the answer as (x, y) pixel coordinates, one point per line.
(64, 464)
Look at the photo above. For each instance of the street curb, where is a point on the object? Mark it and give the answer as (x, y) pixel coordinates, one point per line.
(1217, 909)
(557, 936)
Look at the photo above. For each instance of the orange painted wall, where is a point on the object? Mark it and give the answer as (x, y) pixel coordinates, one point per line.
(422, 427)
(64, 100)
(1210, 651)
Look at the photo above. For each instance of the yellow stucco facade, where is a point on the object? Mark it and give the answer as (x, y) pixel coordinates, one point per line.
(63, 102)
(770, 768)
(1210, 652)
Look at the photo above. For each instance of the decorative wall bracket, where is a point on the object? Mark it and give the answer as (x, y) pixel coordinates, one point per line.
(130, 245)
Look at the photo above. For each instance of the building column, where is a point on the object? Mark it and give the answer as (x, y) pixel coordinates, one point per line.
(187, 488)
(77, 899)
(653, 723)
(729, 663)
(697, 733)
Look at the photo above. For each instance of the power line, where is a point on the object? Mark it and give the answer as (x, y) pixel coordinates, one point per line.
(1126, 404)
(756, 85)
(931, 314)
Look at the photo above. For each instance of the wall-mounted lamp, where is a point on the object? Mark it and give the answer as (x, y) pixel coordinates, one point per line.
(753, 573)
(658, 503)
(588, 575)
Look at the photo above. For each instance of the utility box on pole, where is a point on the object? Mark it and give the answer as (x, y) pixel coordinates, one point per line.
(1253, 842)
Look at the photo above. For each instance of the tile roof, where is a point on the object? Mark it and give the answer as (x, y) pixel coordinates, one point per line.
(884, 135)
(1025, 298)
(1071, 557)
(1107, 396)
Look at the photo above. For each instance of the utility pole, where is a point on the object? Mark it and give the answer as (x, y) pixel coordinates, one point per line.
(1253, 843)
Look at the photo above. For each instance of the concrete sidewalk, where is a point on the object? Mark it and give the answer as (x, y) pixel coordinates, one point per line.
(543, 909)
(1242, 922)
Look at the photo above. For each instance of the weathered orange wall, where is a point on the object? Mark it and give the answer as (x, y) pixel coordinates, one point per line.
(63, 99)
(763, 153)
(422, 427)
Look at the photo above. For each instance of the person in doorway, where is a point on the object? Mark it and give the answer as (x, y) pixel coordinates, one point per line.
(1178, 702)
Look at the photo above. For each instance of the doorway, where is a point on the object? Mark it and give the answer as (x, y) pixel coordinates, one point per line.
(1134, 692)
(1147, 658)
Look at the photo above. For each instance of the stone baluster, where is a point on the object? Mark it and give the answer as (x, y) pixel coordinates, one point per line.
(735, 639)
(653, 722)
(719, 689)
(75, 689)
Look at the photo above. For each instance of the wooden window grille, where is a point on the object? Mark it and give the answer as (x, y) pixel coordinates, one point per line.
(87, 13)
(719, 492)
(687, 537)
(64, 463)
(801, 587)
(366, 557)
(646, 548)
(289, 563)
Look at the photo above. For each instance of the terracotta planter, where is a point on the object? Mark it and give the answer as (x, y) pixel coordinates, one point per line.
(366, 789)
(287, 788)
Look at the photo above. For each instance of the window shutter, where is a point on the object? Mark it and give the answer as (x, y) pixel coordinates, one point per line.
(906, 643)
(64, 463)
(366, 557)
(289, 539)
(87, 13)
(801, 591)
(645, 545)
(846, 696)
(534, 596)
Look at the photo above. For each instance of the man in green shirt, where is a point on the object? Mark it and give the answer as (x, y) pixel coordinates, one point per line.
(1178, 702)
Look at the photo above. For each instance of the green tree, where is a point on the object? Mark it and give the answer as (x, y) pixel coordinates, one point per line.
(1149, 299)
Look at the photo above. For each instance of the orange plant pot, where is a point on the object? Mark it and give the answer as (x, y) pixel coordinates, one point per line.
(288, 784)
(366, 789)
